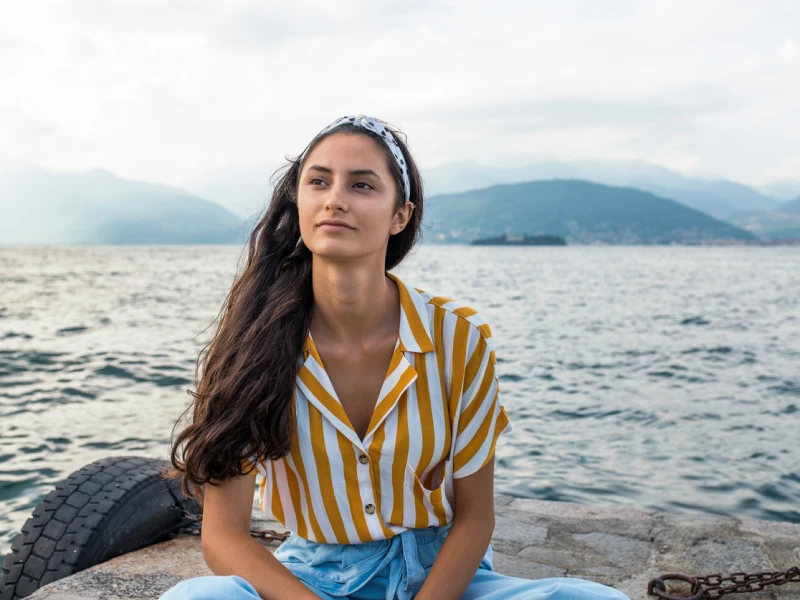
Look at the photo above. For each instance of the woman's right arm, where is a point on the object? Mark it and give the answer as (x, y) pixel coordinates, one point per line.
(228, 548)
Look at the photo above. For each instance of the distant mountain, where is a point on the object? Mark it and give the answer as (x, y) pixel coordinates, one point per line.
(780, 223)
(579, 211)
(792, 207)
(782, 190)
(247, 190)
(717, 197)
(97, 207)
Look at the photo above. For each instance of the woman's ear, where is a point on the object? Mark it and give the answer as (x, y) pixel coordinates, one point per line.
(401, 218)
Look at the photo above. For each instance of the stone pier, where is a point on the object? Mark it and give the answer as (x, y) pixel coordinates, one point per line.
(621, 547)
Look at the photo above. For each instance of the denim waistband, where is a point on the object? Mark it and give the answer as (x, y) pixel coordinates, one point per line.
(342, 569)
(423, 535)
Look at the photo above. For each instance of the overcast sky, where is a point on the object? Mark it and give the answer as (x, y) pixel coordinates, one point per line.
(171, 90)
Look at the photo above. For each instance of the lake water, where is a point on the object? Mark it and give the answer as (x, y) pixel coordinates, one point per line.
(658, 377)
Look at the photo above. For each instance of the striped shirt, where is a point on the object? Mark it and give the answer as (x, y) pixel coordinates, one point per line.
(333, 487)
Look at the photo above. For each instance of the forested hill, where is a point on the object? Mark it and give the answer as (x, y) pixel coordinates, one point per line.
(580, 211)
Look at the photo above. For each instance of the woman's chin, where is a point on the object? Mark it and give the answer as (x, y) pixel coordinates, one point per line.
(334, 250)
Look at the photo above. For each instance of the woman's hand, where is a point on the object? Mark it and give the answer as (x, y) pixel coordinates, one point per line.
(228, 548)
(468, 538)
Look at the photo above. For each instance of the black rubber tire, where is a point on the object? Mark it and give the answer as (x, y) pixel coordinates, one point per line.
(107, 508)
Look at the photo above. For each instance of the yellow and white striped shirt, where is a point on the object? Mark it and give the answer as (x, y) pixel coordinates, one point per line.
(333, 487)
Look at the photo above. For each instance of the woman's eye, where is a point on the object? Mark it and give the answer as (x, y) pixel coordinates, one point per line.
(313, 181)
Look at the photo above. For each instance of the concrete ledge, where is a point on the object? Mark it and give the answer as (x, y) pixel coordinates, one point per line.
(621, 547)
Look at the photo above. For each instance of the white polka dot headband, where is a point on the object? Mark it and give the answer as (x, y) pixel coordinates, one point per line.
(386, 135)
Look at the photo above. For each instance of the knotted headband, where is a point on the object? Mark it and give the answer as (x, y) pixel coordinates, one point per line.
(386, 135)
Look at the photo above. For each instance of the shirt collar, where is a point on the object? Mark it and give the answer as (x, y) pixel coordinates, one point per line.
(415, 333)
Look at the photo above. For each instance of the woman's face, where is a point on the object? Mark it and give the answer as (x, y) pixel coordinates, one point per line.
(346, 178)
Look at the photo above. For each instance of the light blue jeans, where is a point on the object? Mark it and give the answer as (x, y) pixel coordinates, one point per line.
(391, 569)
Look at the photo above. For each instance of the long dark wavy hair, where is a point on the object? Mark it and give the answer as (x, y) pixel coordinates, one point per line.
(243, 406)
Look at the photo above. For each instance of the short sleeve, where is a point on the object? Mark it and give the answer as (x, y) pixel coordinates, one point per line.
(249, 465)
(482, 414)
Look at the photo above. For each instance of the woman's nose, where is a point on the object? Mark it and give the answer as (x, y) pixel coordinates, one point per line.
(336, 198)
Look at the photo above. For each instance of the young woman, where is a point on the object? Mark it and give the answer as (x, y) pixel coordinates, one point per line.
(368, 409)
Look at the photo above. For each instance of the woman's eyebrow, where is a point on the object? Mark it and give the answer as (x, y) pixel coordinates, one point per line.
(353, 172)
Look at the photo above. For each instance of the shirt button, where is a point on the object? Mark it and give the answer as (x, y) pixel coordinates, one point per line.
(362, 458)
(370, 508)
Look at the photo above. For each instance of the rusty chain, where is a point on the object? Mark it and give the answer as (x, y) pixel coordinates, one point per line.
(716, 586)
(197, 523)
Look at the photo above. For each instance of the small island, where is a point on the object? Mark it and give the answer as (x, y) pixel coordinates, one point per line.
(521, 240)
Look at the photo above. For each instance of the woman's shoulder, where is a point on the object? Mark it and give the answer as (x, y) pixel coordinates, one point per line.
(453, 310)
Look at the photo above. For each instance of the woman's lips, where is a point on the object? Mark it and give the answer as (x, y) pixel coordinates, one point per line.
(333, 227)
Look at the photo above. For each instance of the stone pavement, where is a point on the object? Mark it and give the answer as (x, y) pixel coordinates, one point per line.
(621, 547)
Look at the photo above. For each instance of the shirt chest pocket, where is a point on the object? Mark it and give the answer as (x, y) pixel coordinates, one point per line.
(428, 506)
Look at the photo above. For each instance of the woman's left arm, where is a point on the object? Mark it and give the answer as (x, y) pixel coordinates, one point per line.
(468, 538)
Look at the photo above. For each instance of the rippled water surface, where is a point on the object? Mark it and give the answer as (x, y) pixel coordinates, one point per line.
(657, 377)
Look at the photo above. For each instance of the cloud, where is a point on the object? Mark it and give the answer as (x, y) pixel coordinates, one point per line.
(257, 24)
(21, 131)
(789, 53)
(669, 110)
(169, 89)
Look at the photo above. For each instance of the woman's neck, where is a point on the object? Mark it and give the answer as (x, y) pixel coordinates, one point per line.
(353, 305)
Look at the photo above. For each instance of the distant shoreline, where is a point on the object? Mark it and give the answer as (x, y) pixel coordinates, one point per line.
(521, 240)
(425, 242)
